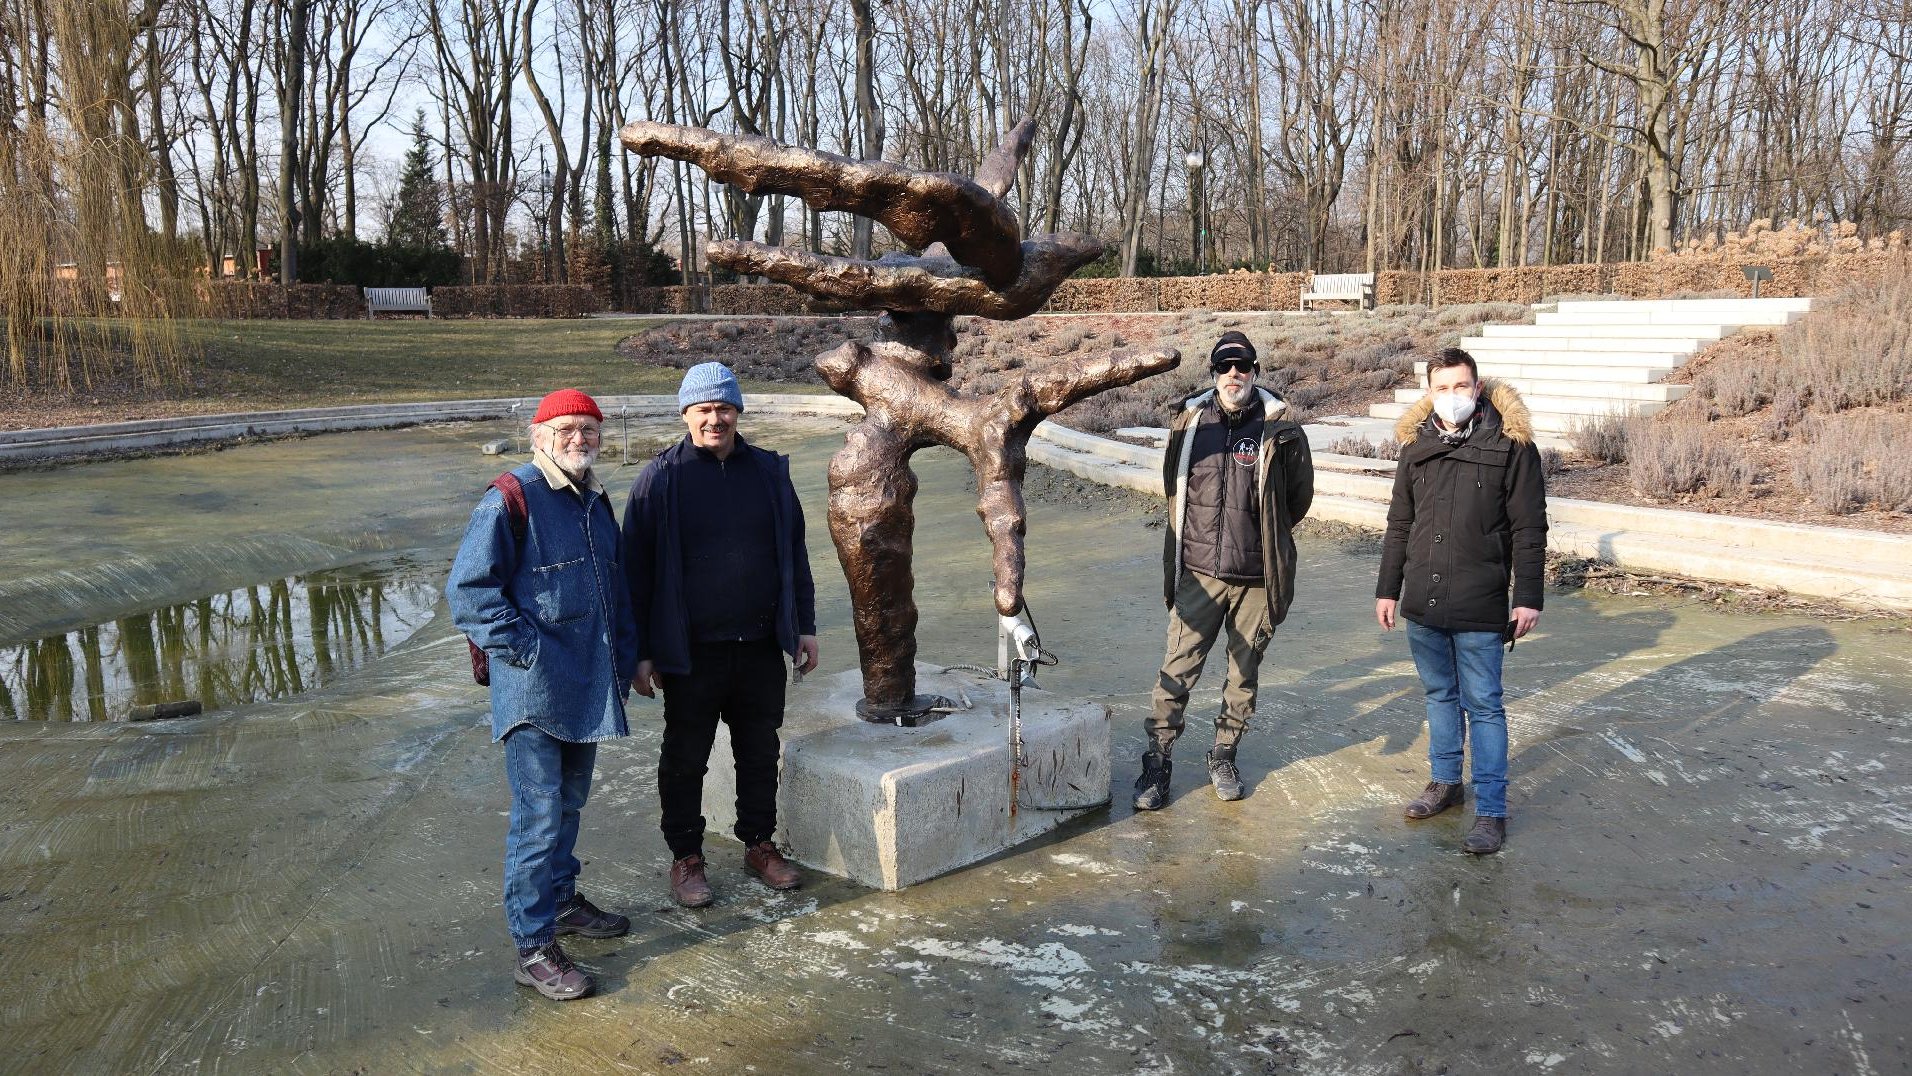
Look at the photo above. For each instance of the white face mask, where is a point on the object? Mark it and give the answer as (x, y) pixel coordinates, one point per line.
(1454, 407)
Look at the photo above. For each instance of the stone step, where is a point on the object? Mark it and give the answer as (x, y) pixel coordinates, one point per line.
(1497, 354)
(1670, 320)
(1517, 371)
(1587, 390)
(1756, 306)
(1666, 345)
(1612, 331)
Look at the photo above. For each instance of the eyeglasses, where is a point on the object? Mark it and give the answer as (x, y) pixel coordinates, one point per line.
(1240, 366)
(582, 433)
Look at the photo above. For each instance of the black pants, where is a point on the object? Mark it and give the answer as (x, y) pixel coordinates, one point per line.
(740, 684)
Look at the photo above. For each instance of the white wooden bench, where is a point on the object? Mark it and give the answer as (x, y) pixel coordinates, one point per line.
(397, 301)
(1340, 287)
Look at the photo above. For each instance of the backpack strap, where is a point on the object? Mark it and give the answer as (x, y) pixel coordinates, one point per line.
(516, 510)
(519, 514)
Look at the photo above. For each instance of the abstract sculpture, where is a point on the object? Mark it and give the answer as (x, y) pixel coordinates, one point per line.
(973, 261)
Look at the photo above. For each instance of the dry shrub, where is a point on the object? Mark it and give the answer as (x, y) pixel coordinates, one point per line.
(1857, 352)
(1552, 461)
(1674, 458)
(1483, 311)
(1387, 449)
(1852, 462)
(1601, 437)
(1737, 388)
(1787, 411)
(1307, 396)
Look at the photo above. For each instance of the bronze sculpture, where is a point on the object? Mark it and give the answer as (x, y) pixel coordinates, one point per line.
(974, 261)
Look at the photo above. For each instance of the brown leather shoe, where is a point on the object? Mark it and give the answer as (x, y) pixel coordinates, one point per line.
(689, 887)
(1486, 837)
(1434, 799)
(767, 863)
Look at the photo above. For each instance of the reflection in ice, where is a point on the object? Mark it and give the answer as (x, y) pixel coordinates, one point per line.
(259, 642)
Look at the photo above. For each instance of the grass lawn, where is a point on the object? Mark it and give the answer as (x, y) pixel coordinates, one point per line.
(294, 363)
(263, 365)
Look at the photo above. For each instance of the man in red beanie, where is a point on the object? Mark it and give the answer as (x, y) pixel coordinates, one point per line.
(542, 593)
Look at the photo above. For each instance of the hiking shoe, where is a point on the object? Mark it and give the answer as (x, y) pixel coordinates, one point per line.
(1434, 799)
(1486, 837)
(767, 863)
(547, 970)
(689, 887)
(580, 916)
(1151, 789)
(1223, 774)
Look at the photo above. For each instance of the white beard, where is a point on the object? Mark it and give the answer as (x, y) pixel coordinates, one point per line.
(1236, 399)
(575, 462)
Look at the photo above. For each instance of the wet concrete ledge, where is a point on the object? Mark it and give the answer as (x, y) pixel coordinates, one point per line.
(1866, 569)
(159, 435)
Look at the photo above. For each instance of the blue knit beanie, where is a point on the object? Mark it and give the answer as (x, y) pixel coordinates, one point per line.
(709, 382)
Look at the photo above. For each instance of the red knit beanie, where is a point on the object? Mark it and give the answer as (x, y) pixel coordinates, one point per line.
(566, 402)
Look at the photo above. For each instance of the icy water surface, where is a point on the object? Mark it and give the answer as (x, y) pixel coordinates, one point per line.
(1707, 867)
(254, 643)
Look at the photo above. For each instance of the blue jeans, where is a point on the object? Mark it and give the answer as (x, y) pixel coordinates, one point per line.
(550, 780)
(1460, 671)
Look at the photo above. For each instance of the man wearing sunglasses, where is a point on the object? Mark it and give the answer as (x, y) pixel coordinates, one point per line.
(1238, 478)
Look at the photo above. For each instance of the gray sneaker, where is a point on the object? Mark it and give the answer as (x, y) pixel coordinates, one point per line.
(1223, 774)
(548, 971)
(580, 916)
(1151, 789)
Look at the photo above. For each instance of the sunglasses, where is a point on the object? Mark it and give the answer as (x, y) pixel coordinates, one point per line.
(1243, 366)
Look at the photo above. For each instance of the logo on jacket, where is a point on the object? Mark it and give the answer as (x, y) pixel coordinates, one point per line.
(1246, 451)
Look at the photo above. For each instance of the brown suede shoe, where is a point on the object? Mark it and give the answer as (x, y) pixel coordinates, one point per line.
(1486, 837)
(1434, 799)
(767, 863)
(689, 887)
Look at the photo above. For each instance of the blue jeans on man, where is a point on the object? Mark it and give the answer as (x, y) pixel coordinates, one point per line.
(550, 780)
(1460, 671)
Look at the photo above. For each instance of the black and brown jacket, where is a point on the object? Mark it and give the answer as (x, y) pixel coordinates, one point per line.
(1284, 479)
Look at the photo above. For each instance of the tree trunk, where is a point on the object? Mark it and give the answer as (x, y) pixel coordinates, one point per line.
(289, 106)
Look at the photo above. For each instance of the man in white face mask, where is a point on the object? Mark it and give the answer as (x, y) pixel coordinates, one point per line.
(1469, 514)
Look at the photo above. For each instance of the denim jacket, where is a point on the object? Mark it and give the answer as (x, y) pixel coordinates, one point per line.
(554, 615)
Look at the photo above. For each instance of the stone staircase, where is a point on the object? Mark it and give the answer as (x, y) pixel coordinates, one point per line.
(1581, 360)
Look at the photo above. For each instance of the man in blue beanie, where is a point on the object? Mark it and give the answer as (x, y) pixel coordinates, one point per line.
(720, 587)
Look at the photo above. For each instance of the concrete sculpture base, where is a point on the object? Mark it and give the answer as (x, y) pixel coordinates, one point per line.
(889, 807)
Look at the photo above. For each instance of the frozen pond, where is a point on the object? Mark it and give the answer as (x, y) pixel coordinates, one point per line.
(1706, 868)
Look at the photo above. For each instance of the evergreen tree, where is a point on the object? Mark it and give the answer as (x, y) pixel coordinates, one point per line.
(418, 214)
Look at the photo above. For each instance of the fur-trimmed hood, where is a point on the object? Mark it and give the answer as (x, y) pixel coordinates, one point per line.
(1515, 421)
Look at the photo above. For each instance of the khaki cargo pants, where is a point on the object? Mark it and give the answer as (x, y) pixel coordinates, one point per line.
(1203, 607)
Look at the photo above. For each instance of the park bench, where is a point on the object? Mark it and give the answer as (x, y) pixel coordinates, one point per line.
(397, 301)
(1340, 287)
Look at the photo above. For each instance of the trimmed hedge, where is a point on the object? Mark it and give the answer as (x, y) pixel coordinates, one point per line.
(1668, 275)
(515, 301)
(249, 300)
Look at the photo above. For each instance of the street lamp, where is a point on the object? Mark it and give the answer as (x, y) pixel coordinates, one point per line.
(1196, 202)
